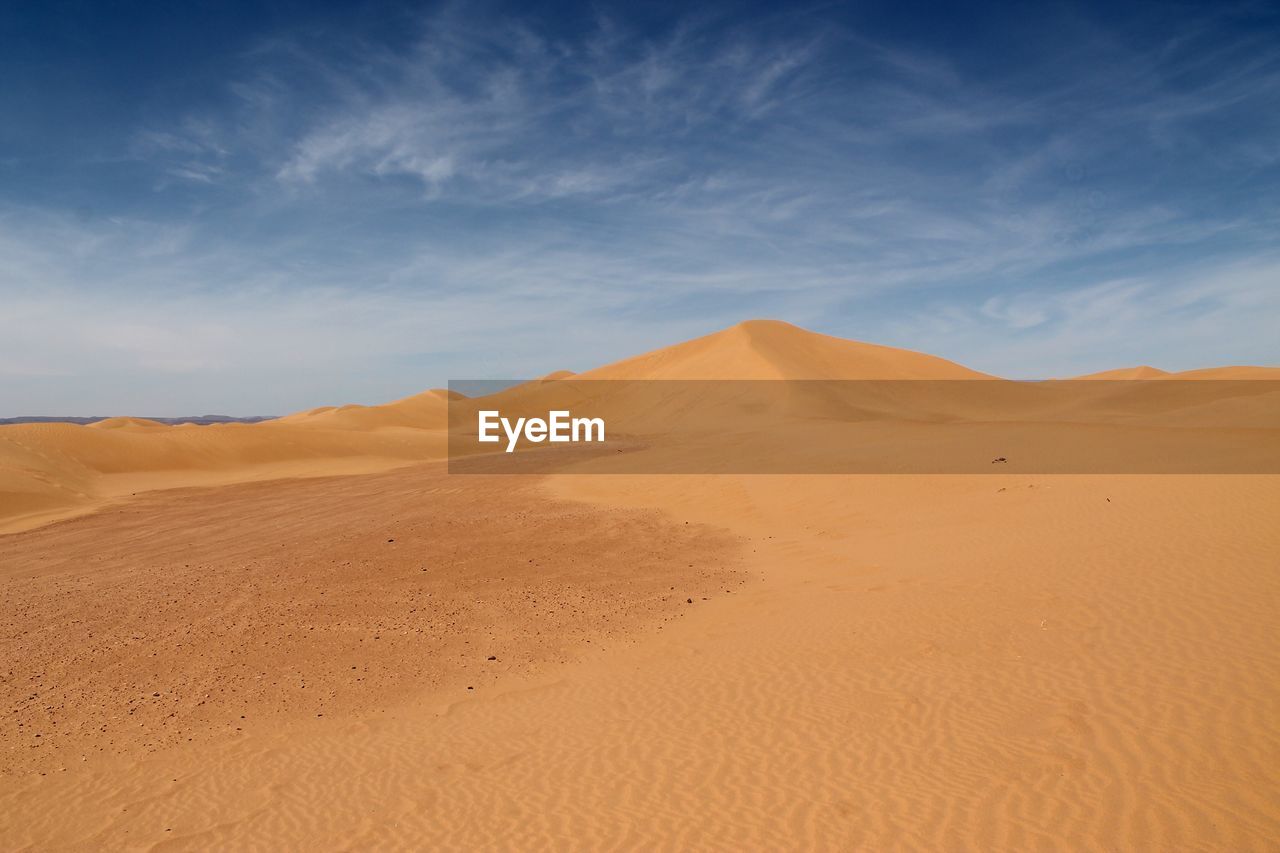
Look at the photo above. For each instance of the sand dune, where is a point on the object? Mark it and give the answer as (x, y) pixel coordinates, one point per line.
(919, 662)
(407, 658)
(127, 423)
(771, 349)
(1141, 372)
(50, 471)
(645, 392)
(848, 407)
(420, 411)
(1216, 373)
(1232, 373)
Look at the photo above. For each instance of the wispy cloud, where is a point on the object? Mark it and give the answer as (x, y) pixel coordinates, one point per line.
(1215, 315)
(487, 194)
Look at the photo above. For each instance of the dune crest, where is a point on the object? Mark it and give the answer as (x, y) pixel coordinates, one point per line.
(1010, 661)
(1230, 373)
(418, 411)
(51, 470)
(772, 349)
(1141, 372)
(1225, 374)
(127, 423)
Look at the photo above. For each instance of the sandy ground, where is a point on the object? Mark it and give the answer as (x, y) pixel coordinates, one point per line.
(183, 615)
(991, 662)
(1063, 663)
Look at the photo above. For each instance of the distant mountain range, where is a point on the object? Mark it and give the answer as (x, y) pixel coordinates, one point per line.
(203, 420)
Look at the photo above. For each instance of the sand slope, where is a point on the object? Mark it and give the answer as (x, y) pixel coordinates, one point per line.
(54, 470)
(148, 624)
(420, 411)
(771, 349)
(1141, 372)
(921, 663)
(1233, 373)
(49, 471)
(1011, 661)
(848, 407)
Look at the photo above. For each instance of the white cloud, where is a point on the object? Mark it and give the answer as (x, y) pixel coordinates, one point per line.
(362, 222)
(1212, 315)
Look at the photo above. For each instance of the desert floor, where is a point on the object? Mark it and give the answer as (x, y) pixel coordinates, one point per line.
(409, 659)
(299, 635)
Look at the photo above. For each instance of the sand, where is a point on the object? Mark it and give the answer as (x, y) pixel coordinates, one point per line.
(1002, 661)
(769, 349)
(50, 471)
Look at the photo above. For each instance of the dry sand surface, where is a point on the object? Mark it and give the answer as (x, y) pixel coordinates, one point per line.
(1003, 661)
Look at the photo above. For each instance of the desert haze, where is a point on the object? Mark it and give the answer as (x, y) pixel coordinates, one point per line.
(306, 633)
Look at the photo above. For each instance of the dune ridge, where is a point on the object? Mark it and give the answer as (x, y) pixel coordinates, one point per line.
(1229, 373)
(419, 411)
(772, 349)
(405, 658)
(51, 470)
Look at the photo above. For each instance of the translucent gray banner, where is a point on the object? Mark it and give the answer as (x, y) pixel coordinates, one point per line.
(587, 426)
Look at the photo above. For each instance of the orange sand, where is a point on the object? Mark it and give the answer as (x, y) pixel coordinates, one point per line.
(917, 661)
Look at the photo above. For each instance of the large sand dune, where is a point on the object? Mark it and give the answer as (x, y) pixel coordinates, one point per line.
(51, 470)
(767, 397)
(770, 349)
(411, 659)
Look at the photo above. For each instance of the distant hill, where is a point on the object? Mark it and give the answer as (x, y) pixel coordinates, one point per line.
(202, 420)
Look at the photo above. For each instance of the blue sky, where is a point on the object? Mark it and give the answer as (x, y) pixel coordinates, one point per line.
(260, 208)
